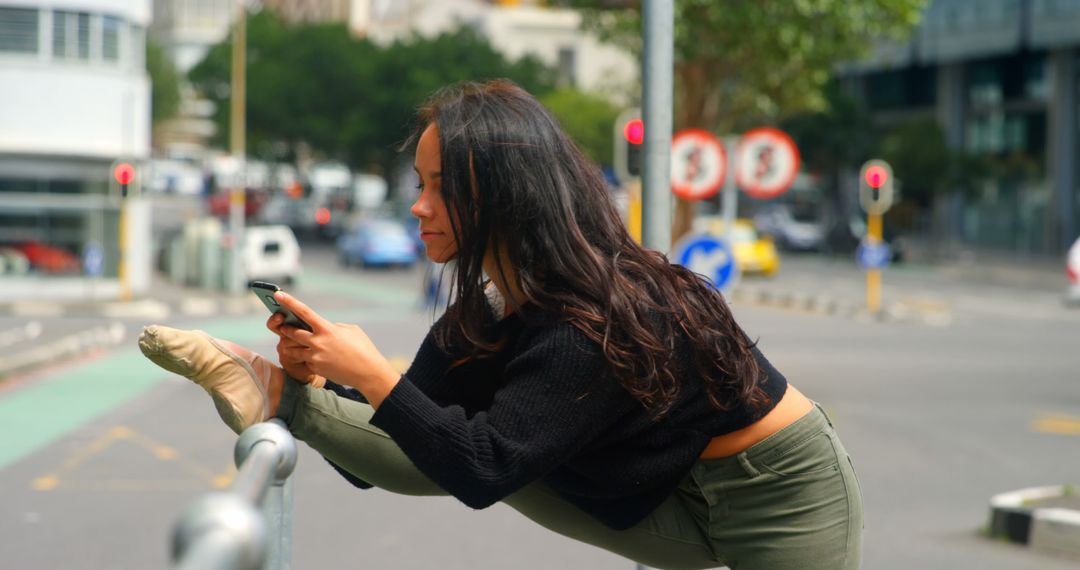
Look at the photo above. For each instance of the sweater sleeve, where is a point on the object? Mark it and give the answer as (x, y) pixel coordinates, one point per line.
(555, 397)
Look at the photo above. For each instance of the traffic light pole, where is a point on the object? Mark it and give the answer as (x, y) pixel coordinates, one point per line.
(874, 235)
(237, 134)
(658, 18)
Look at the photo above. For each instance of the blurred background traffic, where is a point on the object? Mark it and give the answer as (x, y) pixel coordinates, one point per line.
(974, 109)
(156, 155)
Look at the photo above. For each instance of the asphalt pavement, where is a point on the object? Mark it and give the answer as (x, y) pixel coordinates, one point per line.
(949, 334)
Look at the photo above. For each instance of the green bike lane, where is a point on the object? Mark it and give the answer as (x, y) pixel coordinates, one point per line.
(61, 401)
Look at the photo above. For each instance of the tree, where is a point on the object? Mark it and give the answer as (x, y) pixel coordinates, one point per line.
(164, 83)
(346, 98)
(587, 119)
(743, 64)
(838, 138)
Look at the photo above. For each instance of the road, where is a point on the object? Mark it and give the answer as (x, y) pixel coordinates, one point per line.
(100, 455)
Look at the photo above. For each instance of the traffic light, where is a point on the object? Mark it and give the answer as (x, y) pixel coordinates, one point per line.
(629, 140)
(124, 178)
(876, 186)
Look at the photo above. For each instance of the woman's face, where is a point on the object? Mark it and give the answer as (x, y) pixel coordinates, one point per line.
(429, 208)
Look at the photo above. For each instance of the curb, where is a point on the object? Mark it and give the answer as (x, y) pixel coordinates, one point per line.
(99, 337)
(103, 336)
(917, 311)
(1052, 530)
(152, 309)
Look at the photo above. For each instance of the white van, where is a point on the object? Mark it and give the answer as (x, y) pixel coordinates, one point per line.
(271, 253)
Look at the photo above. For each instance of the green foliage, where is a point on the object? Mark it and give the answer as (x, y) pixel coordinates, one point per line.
(164, 83)
(346, 98)
(840, 135)
(738, 64)
(588, 119)
(925, 165)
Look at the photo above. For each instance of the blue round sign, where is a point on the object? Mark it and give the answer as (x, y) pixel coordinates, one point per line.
(93, 259)
(710, 256)
(873, 255)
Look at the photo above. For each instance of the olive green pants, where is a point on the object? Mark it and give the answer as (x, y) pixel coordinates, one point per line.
(789, 502)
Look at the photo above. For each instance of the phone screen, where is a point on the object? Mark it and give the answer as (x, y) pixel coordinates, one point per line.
(265, 292)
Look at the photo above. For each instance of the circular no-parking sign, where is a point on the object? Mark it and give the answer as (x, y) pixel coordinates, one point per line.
(698, 164)
(766, 162)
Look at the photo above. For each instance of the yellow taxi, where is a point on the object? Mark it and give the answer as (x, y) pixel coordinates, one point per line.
(754, 254)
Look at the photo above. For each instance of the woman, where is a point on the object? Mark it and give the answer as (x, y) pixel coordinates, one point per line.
(577, 377)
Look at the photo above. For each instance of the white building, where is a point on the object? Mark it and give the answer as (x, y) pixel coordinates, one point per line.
(551, 34)
(75, 99)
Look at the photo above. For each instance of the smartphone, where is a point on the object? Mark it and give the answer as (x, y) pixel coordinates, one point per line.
(265, 292)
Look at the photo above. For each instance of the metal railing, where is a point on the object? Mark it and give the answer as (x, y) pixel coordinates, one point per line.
(225, 529)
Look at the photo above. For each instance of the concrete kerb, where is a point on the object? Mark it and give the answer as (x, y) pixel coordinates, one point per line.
(106, 335)
(83, 342)
(1015, 516)
(903, 310)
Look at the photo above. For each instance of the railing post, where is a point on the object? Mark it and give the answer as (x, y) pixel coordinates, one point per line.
(277, 504)
(225, 530)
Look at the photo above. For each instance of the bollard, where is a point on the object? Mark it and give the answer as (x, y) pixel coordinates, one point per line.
(225, 530)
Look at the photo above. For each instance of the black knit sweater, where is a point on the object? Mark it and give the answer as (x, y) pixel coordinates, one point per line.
(546, 407)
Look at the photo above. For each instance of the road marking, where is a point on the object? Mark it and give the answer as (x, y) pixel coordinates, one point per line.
(1059, 424)
(66, 476)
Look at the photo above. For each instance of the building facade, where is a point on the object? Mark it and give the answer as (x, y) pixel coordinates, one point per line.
(516, 29)
(75, 100)
(1000, 77)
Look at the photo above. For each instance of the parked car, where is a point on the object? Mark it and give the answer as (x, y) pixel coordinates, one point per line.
(791, 232)
(271, 253)
(1072, 271)
(754, 254)
(49, 259)
(378, 242)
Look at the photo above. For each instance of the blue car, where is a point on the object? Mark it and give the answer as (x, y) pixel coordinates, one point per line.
(378, 243)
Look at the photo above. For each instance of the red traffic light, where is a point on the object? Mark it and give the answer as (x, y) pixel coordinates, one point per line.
(876, 176)
(634, 131)
(124, 173)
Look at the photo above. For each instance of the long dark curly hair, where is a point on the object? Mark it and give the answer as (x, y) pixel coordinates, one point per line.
(517, 185)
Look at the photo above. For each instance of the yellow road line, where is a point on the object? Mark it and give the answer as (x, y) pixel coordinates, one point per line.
(1059, 424)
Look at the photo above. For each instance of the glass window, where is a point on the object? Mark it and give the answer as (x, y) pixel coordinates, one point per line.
(567, 66)
(71, 35)
(18, 30)
(110, 38)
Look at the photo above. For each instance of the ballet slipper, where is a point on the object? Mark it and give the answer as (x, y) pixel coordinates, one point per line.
(236, 378)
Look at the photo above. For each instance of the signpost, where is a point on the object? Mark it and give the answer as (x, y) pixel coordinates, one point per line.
(766, 162)
(93, 260)
(698, 164)
(876, 197)
(710, 256)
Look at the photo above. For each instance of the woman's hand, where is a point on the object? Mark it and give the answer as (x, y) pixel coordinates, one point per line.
(339, 351)
(296, 369)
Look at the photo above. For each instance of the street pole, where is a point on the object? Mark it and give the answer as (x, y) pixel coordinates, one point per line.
(874, 236)
(658, 17)
(237, 134)
(730, 190)
(658, 61)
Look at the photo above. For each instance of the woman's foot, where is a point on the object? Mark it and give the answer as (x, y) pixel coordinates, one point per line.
(245, 386)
